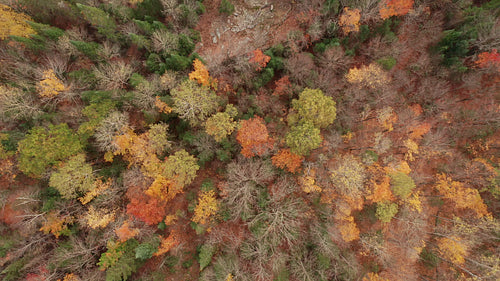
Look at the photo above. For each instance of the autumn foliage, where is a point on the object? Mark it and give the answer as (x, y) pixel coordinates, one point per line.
(371, 76)
(285, 159)
(253, 137)
(349, 20)
(50, 86)
(259, 59)
(489, 59)
(201, 75)
(149, 209)
(12, 23)
(125, 232)
(389, 8)
(461, 196)
(206, 208)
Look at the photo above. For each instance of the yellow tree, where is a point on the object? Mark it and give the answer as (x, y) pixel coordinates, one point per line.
(12, 23)
(50, 86)
(349, 20)
(463, 197)
(207, 207)
(452, 249)
(371, 76)
(56, 224)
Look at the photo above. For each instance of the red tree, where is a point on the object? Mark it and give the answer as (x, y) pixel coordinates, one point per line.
(148, 209)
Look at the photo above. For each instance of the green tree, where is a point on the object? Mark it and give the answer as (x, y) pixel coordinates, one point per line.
(73, 178)
(386, 211)
(181, 167)
(194, 102)
(222, 124)
(314, 107)
(402, 184)
(303, 138)
(44, 147)
(100, 19)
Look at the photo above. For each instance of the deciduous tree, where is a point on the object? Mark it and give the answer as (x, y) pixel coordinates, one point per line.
(193, 102)
(389, 8)
(50, 86)
(462, 197)
(207, 207)
(259, 59)
(222, 124)
(253, 137)
(73, 178)
(12, 23)
(453, 249)
(349, 20)
(371, 76)
(46, 147)
(201, 75)
(313, 107)
(303, 138)
(286, 159)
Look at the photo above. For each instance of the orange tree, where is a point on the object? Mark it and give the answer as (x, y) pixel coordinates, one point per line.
(253, 137)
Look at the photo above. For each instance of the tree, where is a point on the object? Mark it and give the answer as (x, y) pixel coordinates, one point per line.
(374, 277)
(349, 20)
(401, 184)
(43, 148)
(12, 23)
(150, 210)
(389, 8)
(168, 243)
(348, 229)
(314, 107)
(286, 159)
(193, 102)
(349, 176)
(303, 138)
(207, 206)
(452, 249)
(73, 178)
(371, 76)
(181, 168)
(50, 86)
(201, 75)
(386, 211)
(462, 197)
(98, 218)
(222, 124)
(489, 60)
(125, 232)
(259, 59)
(157, 136)
(253, 137)
(57, 224)
(282, 86)
(16, 104)
(307, 182)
